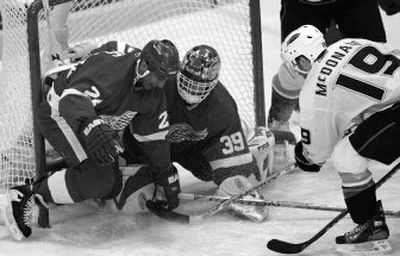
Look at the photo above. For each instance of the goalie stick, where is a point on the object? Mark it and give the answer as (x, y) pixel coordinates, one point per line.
(273, 203)
(183, 218)
(291, 248)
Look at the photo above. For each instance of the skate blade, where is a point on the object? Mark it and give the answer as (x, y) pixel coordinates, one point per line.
(7, 212)
(379, 247)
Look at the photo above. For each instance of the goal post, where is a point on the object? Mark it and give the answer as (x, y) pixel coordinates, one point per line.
(37, 96)
(232, 27)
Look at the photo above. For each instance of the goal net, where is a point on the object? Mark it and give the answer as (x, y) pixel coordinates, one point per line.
(226, 25)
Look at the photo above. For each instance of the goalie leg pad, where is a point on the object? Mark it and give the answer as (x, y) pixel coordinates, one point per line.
(238, 185)
(261, 144)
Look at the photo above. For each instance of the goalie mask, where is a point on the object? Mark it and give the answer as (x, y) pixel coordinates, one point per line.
(306, 41)
(158, 59)
(198, 73)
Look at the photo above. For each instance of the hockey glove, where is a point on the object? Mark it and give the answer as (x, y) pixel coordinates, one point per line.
(101, 141)
(391, 7)
(168, 180)
(304, 164)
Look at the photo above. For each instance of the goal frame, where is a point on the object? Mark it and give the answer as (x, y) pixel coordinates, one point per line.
(37, 92)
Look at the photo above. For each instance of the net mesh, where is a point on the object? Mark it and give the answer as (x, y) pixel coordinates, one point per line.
(223, 24)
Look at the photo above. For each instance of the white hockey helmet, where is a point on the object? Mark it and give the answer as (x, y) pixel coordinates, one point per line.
(306, 41)
(198, 73)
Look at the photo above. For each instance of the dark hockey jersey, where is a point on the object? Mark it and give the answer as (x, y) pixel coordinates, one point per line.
(213, 126)
(102, 85)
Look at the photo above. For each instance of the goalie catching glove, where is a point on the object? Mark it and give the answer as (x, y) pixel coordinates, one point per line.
(101, 141)
(168, 188)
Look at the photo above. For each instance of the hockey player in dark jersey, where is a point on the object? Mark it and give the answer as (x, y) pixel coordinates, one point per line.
(205, 130)
(83, 111)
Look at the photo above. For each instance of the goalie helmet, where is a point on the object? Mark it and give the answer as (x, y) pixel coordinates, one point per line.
(306, 41)
(161, 56)
(198, 73)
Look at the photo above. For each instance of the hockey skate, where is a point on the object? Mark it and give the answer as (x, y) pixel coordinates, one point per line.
(17, 209)
(238, 185)
(367, 238)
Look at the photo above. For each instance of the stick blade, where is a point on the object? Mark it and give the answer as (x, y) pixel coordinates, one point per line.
(284, 247)
(166, 214)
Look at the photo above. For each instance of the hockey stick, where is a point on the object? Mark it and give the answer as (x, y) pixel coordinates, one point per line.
(163, 213)
(290, 248)
(263, 202)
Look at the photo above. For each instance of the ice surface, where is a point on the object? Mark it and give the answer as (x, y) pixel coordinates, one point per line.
(88, 231)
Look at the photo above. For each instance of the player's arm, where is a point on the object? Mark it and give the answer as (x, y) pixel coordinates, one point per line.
(76, 106)
(150, 128)
(319, 135)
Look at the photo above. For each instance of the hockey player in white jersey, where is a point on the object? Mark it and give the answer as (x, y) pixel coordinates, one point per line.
(349, 112)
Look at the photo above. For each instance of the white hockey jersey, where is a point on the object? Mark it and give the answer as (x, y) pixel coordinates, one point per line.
(355, 79)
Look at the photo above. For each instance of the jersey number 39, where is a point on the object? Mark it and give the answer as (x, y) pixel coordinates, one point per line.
(232, 143)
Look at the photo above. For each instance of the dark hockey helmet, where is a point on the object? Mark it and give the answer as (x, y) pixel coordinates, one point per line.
(161, 56)
(198, 73)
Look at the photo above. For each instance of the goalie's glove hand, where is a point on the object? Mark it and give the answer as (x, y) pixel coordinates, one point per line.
(391, 7)
(168, 180)
(304, 163)
(101, 141)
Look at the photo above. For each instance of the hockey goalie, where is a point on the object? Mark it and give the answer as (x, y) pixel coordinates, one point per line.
(207, 137)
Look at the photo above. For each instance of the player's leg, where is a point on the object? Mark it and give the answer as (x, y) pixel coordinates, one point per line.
(351, 19)
(193, 161)
(230, 181)
(377, 139)
(137, 187)
(138, 182)
(82, 180)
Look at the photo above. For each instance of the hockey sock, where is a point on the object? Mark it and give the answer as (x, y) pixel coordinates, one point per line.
(363, 205)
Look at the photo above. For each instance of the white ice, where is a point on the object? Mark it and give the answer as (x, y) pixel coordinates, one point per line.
(84, 230)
